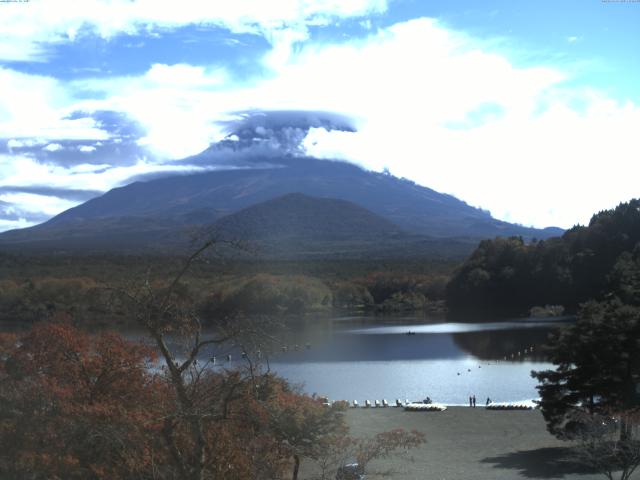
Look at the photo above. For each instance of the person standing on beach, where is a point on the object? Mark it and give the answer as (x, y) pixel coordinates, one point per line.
(470, 401)
(474, 401)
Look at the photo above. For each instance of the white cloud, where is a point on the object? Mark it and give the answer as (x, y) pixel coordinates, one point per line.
(541, 161)
(18, 171)
(26, 142)
(25, 30)
(36, 204)
(34, 108)
(13, 224)
(176, 104)
(53, 147)
(88, 167)
(87, 148)
(182, 75)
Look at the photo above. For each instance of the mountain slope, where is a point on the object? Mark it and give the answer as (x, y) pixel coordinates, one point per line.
(148, 213)
(292, 226)
(299, 216)
(414, 208)
(299, 226)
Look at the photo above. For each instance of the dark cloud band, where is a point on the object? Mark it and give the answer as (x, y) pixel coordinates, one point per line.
(65, 193)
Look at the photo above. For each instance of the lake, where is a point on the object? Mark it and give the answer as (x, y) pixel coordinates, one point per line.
(374, 357)
(358, 358)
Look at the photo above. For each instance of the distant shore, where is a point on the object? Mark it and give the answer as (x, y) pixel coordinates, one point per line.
(469, 444)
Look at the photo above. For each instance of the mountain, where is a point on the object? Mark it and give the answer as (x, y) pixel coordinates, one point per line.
(299, 226)
(154, 213)
(291, 226)
(299, 216)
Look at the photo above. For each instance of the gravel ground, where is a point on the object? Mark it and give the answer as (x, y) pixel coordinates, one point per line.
(468, 443)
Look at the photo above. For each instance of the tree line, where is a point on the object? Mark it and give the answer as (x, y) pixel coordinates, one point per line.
(507, 276)
(81, 287)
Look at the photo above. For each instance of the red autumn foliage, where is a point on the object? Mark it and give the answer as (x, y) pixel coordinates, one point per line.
(74, 405)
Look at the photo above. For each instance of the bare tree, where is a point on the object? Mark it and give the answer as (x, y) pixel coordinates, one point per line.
(333, 451)
(610, 443)
(167, 313)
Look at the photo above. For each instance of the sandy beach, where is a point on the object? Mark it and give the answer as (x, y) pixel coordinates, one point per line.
(470, 443)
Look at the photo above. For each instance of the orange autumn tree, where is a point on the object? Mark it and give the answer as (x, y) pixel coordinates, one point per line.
(301, 422)
(76, 406)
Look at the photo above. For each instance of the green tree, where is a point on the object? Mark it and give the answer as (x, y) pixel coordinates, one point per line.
(507, 277)
(597, 367)
(625, 276)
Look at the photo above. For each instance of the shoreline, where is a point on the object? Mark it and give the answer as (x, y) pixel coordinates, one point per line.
(530, 403)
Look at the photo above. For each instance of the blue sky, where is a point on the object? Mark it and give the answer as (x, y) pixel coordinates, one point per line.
(528, 109)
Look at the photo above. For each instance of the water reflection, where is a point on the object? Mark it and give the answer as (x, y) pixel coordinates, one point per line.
(513, 345)
(450, 327)
(369, 341)
(374, 358)
(362, 359)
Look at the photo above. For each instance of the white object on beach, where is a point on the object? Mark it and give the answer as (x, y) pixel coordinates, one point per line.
(367, 403)
(377, 403)
(425, 407)
(355, 404)
(385, 403)
(510, 406)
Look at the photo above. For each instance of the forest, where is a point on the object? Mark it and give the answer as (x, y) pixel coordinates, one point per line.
(38, 287)
(507, 276)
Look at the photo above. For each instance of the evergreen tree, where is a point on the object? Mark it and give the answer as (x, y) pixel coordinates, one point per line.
(597, 367)
(506, 277)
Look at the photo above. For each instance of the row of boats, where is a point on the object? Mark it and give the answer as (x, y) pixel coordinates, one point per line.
(509, 406)
(425, 405)
(428, 406)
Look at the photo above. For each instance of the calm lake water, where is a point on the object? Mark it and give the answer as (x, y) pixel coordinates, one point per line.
(372, 358)
(360, 358)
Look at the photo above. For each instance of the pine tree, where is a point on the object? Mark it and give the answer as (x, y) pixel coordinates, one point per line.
(597, 367)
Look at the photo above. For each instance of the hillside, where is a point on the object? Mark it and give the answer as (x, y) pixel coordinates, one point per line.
(296, 226)
(299, 216)
(293, 226)
(157, 213)
(507, 277)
